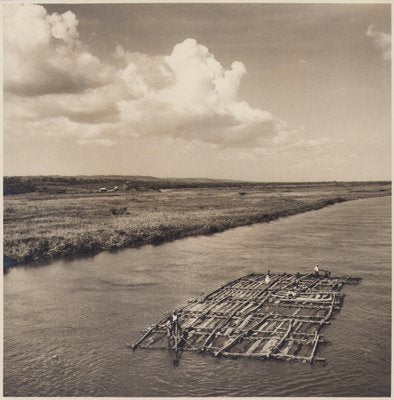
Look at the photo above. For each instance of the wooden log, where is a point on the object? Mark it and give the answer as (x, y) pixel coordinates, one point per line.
(316, 341)
(229, 331)
(206, 322)
(220, 326)
(254, 285)
(244, 322)
(229, 343)
(319, 300)
(313, 284)
(249, 304)
(153, 339)
(254, 346)
(289, 346)
(203, 315)
(222, 307)
(296, 358)
(260, 329)
(285, 336)
(277, 356)
(256, 333)
(301, 305)
(327, 317)
(134, 346)
(260, 304)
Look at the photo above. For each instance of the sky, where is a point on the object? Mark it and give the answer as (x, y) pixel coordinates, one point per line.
(259, 92)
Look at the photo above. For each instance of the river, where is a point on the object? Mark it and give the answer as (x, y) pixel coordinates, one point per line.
(66, 323)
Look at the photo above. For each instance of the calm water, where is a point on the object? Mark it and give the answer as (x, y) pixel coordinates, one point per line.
(86, 310)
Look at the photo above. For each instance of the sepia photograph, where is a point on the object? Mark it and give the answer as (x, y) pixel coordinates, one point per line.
(196, 199)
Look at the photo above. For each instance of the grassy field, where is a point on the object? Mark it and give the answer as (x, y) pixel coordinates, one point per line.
(72, 218)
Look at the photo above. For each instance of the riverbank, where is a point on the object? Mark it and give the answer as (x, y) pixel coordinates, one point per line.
(43, 226)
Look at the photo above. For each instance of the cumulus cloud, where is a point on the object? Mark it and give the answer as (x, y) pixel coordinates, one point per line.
(42, 53)
(68, 91)
(197, 99)
(381, 40)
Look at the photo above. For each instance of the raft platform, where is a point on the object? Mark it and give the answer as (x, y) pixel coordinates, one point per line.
(255, 317)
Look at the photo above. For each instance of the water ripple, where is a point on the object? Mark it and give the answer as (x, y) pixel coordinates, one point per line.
(66, 325)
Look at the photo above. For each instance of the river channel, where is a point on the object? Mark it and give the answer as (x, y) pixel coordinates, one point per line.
(66, 323)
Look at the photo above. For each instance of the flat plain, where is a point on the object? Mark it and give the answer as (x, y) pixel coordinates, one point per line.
(46, 218)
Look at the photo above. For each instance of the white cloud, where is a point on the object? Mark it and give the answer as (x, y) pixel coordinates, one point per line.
(198, 100)
(66, 90)
(381, 40)
(42, 53)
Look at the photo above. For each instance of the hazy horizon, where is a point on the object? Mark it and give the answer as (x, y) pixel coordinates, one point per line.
(252, 92)
(202, 178)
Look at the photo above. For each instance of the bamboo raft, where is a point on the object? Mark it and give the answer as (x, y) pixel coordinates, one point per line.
(276, 318)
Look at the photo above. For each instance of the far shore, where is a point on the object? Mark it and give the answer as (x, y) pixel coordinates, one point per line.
(45, 225)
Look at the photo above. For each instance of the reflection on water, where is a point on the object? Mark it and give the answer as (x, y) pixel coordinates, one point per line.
(66, 324)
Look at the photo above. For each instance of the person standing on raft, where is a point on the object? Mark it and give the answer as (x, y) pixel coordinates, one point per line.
(317, 270)
(297, 281)
(172, 326)
(175, 324)
(169, 327)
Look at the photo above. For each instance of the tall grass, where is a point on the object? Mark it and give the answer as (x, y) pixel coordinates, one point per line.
(41, 226)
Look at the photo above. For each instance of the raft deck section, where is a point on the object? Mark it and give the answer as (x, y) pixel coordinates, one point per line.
(249, 317)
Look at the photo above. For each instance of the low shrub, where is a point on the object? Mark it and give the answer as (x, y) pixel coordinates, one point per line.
(119, 211)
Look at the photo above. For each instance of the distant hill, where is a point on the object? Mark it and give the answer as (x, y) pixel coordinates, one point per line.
(58, 184)
(83, 183)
